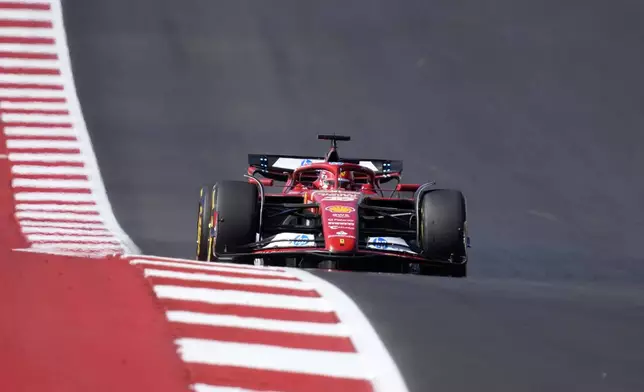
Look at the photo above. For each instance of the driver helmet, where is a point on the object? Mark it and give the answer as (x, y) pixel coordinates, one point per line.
(346, 180)
(325, 180)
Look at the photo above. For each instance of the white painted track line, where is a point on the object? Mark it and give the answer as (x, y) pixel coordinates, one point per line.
(14, 14)
(28, 48)
(38, 144)
(60, 216)
(32, 131)
(205, 263)
(49, 183)
(32, 93)
(27, 32)
(365, 338)
(62, 197)
(211, 388)
(28, 78)
(58, 230)
(48, 170)
(56, 207)
(323, 329)
(33, 105)
(69, 238)
(35, 157)
(213, 267)
(232, 297)
(43, 118)
(71, 225)
(200, 277)
(271, 358)
(68, 246)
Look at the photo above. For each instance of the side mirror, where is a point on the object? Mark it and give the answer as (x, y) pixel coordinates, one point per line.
(263, 181)
(407, 187)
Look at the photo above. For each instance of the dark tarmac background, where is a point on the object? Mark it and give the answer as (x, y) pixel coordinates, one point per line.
(535, 110)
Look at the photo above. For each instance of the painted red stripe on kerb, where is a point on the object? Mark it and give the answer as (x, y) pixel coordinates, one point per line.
(52, 112)
(84, 213)
(272, 380)
(26, 23)
(270, 338)
(29, 71)
(234, 286)
(34, 99)
(31, 86)
(222, 272)
(26, 124)
(27, 40)
(28, 55)
(16, 5)
(310, 316)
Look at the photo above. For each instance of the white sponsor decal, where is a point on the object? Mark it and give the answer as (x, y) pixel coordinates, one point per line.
(341, 215)
(288, 240)
(395, 244)
(294, 163)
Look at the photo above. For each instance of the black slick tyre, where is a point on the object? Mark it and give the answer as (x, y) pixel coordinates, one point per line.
(204, 222)
(237, 213)
(443, 229)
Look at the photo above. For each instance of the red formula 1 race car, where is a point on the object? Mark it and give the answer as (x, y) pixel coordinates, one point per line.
(333, 213)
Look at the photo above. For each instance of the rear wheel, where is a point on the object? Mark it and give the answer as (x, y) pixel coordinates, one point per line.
(443, 229)
(204, 221)
(237, 217)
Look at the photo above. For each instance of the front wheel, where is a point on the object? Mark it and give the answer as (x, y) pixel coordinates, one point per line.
(443, 225)
(204, 223)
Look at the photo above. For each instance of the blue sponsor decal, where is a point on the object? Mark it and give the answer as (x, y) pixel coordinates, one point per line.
(302, 239)
(336, 163)
(379, 243)
(306, 162)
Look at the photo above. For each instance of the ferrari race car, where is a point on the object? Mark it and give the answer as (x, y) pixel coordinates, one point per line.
(333, 213)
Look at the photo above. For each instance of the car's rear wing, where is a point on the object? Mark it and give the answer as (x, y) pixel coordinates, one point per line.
(288, 163)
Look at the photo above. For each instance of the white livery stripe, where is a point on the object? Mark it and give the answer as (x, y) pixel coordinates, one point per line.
(58, 230)
(48, 170)
(29, 131)
(36, 157)
(56, 207)
(212, 267)
(62, 216)
(215, 296)
(71, 225)
(335, 364)
(39, 196)
(49, 183)
(68, 238)
(26, 143)
(200, 277)
(324, 329)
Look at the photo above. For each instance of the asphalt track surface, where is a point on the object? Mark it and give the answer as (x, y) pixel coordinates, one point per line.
(534, 110)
